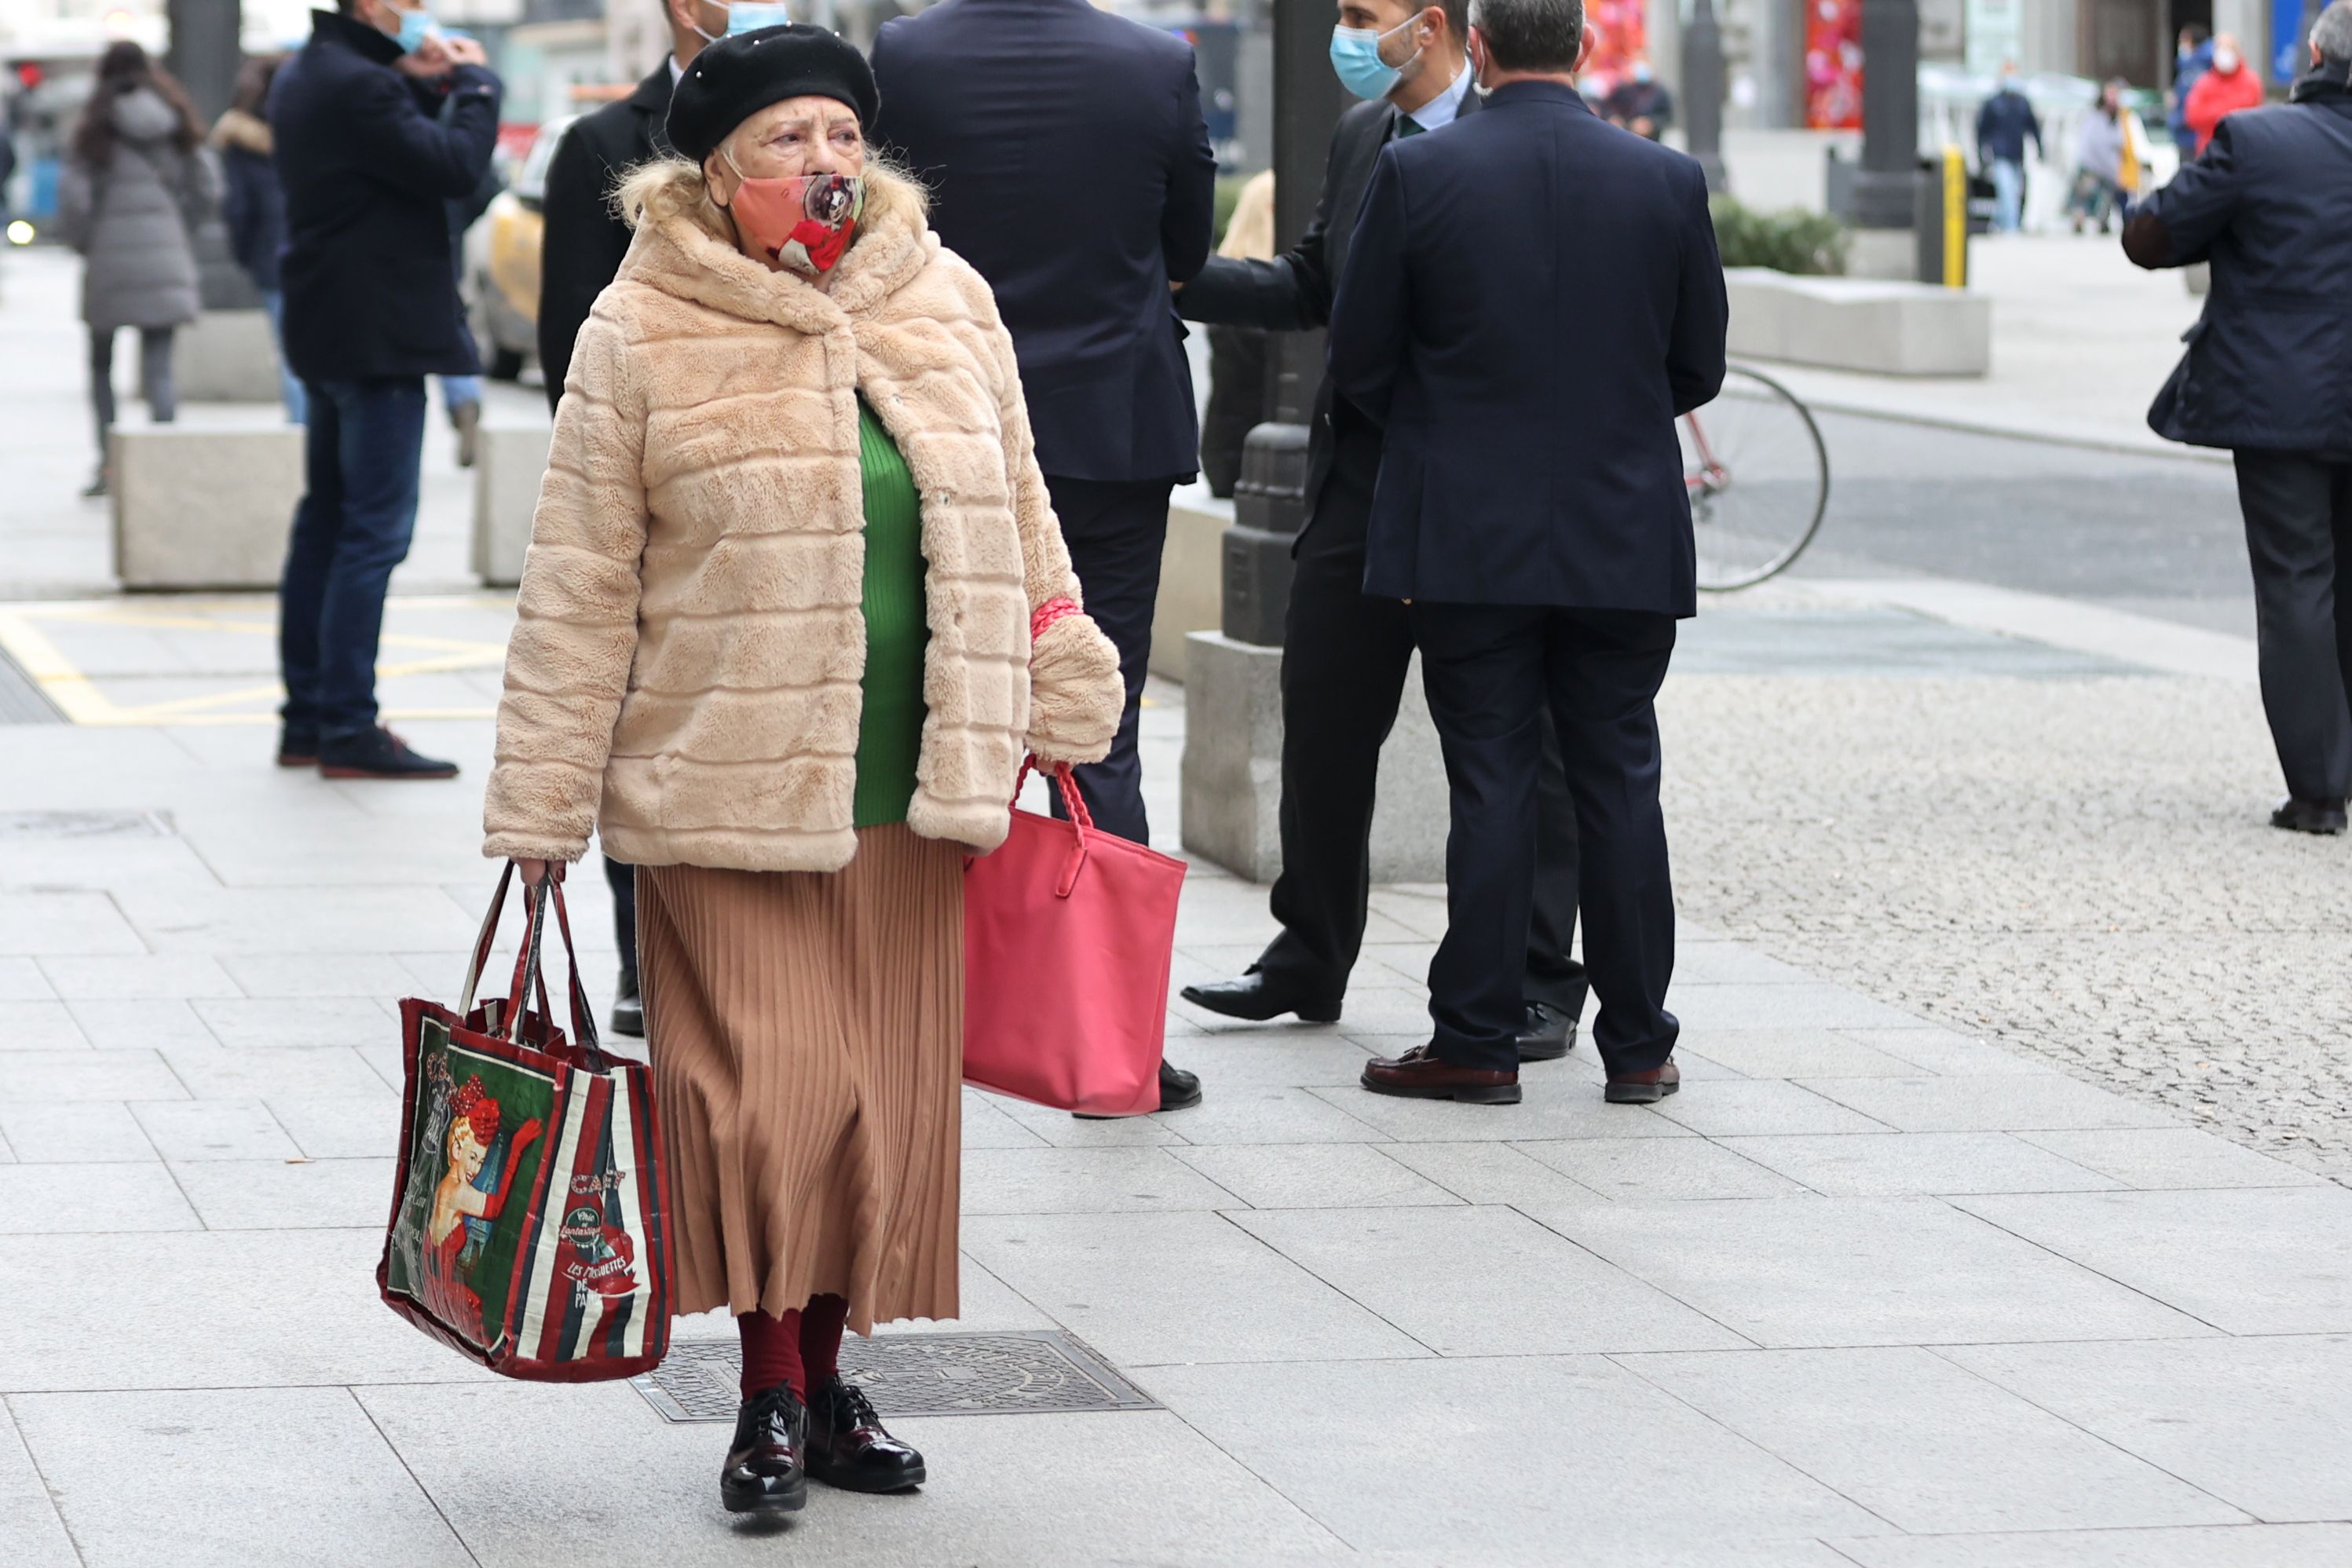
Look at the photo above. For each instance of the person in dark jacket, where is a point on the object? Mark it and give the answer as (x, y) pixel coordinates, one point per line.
(2004, 122)
(1640, 102)
(1531, 512)
(2268, 374)
(1070, 164)
(580, 250)
(369, 165)
(135, 184)
(1345, 657)
(2194, 59)
(254, 207)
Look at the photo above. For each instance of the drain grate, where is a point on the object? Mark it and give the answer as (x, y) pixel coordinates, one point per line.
(1026, 1372)
(21, 700)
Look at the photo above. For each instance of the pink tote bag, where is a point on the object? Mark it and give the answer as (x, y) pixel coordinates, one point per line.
(1068, 934)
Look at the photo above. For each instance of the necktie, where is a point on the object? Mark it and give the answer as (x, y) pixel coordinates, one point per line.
(1407, 126)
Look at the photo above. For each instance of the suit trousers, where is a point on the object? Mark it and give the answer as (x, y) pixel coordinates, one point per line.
(2298, 512)
(1344, 660)
(1116, 531)
(1490, 672)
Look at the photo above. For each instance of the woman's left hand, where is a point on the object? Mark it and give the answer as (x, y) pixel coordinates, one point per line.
(1076, 692)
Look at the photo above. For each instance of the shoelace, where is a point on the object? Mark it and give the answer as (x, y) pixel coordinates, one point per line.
(852, 1409)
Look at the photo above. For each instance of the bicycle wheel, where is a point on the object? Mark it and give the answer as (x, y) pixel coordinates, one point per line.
(1759, 478)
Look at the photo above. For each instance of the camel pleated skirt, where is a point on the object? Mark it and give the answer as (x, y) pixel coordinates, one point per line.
(808, 1041)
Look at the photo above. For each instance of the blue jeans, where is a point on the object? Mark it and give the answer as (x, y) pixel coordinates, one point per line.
(361, 456)
(289, 385)
(2008, 194)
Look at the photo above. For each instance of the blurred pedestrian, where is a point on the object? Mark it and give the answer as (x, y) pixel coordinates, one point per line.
(2230, 85)
(461, 394)
(2191, 59)
(253, 205)
(2005, 122)
(1346, 654)
(580, 250)
(2100, 159)
(2265, 375)
(1532, 514)
(1069, 163)
(730, 531)
(1237, 355)
(1640, 102)
(369, 165)
(134, 187)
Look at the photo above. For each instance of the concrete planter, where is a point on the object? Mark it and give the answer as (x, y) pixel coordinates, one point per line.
(202, 507)
(226, 356)
(509, 461)
(1859, 324)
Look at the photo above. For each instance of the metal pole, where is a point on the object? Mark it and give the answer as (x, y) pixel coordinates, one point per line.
(1886, 188)
(1703, 92)
(1270, 496)
(205, 52)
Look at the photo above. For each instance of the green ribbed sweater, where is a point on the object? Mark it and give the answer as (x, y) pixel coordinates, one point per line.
(890, 726)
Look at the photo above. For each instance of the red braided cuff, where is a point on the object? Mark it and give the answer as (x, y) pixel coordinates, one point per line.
(1053, 610)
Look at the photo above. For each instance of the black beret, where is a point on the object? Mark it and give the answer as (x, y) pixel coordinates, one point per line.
(743, 73)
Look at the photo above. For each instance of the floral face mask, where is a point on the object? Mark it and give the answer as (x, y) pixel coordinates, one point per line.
(804, 221)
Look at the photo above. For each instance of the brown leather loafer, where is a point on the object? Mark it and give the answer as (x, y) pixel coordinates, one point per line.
(1421, 1075)
(1643, 1088)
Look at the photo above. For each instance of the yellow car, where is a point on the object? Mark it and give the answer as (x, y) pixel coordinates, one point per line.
(502, 262)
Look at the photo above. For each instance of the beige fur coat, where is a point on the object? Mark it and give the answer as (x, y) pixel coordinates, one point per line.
(685, 669)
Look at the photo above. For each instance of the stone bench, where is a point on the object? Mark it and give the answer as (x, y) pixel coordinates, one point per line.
(1233, 768)
(1859, 324)
(204, 506)
(226, 356)
(509, 460)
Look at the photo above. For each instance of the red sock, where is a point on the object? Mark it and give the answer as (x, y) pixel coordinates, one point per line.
(821, 1326)
(772, 1353)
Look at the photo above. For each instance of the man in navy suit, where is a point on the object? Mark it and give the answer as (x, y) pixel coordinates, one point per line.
(1069, 163)
(1533, 300)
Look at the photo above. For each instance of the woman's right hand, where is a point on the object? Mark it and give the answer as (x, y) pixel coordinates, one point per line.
(535, 872)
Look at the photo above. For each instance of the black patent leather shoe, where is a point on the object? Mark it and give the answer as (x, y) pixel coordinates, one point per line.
(628, 1007)
(1258, 996)
(1179, 1091)
(764, 1473)
(1547, 1034)
(847, 1447)
(2299, 816)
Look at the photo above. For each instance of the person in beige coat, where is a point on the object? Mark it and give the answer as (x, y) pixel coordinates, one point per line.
(795, 607)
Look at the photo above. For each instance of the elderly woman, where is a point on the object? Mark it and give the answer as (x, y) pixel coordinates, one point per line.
(794, 608)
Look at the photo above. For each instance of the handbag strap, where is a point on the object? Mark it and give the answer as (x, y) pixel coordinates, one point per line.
(529, 971)
(1082, 821)
(484, 942)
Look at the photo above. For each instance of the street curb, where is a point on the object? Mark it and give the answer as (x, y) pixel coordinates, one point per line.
(2154, 447)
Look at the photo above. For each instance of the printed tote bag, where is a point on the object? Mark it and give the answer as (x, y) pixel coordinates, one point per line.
(530, 1223)
(1068, 938)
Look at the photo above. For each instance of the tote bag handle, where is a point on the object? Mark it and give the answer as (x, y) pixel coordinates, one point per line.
(1082, 821)
(528, 975)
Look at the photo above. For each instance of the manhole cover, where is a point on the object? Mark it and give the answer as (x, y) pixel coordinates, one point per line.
(20, 825)
(1018, 1373)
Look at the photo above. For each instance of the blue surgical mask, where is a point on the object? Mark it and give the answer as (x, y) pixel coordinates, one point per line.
(1356, 57)
(1642, 72)
(414, 26)
(751, 16)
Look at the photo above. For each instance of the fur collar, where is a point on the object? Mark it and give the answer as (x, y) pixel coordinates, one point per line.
(675, 253)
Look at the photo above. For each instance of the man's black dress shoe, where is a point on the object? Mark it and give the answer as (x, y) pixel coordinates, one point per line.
(1179, 1091)
(1258, 996)
(1549, 1034)
(764, 1471)
(2309, 816)
(847, 1447)
(628, 1007)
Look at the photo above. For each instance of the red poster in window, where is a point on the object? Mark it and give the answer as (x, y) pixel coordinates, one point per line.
(1621, 35)
(1834, 65)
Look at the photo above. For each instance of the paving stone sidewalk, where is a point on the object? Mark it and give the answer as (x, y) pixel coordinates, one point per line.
(1871, 1290)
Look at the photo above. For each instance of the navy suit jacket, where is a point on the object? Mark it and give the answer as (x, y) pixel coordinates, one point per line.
(370, 161)
(1069, 163)
(1533, 300)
